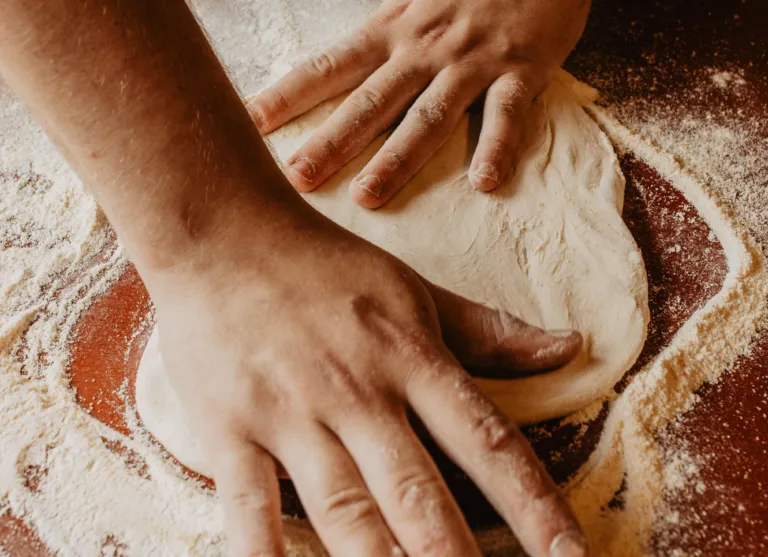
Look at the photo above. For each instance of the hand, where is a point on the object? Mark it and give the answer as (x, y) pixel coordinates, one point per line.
(438, 56)
(310, 358)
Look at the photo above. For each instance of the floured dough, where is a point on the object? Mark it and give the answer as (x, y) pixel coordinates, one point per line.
(549, 245)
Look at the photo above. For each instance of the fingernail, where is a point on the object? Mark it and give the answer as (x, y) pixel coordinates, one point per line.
(369, 184)
(560, 333)
(486, 173)
(304, 168)
(568, 544)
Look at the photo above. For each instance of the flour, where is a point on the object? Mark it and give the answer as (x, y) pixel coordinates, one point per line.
(724, 79)
(57, 254)
(723, 148)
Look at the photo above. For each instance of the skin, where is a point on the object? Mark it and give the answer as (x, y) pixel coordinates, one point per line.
(277, 356)
(436, 57)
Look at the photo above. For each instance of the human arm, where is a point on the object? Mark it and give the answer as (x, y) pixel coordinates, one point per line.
(273, 352)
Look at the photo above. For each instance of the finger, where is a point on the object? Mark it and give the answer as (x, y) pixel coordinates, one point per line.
(425, 128)
(498, 342)
(246, 482)
(337, 501)
(319, 78)
(506, 104)
(492, 451)
(407, 485)
(366, 113)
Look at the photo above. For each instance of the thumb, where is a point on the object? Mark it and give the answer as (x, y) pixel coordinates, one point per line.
(495, 343)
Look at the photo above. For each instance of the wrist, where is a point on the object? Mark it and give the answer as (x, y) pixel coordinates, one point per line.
(196, 237)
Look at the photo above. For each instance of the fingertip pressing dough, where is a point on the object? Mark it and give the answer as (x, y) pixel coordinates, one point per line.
(549, 245)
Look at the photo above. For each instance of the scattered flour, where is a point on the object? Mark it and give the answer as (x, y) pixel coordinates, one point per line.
(724, 79)
(58, 473)
(724, 148)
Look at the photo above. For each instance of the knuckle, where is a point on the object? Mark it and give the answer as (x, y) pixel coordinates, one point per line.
(430, 114)
(325, 148)
(349, 391)
(432, 32)
(278, 99)
(410, 67)
(421, 497)
(395, 161)
(510, 48)
(424, 362)
(546, 503)
(509, 104)
(513, 99)
(418, 346)
(350, 507)
(496, 434)
(323, 65)
(366, 33)
(416, 489)
(498, 146)
(253, 502)
(367, 100)
(466, 40)
(508, 108)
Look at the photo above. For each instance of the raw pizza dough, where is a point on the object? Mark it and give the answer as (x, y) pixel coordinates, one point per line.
(549, 245)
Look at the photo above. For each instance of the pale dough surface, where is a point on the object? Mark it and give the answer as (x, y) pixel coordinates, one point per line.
(549, 245)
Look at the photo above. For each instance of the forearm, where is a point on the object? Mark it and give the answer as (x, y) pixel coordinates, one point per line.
(138, 103)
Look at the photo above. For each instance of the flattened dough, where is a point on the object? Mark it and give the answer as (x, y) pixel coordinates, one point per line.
(549, 245)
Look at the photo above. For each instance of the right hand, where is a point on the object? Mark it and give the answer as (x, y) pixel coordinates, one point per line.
(427, 61)
(309, 355)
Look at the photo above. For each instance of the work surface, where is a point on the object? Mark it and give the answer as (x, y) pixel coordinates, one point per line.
(660, 57)
(659, 54)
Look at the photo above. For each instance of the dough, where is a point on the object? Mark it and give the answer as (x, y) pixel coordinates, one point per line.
(549, 245)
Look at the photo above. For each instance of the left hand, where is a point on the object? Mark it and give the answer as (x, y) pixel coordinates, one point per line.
(440, 56)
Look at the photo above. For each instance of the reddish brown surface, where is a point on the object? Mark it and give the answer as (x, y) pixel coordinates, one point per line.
(649, 50)
(728, 429)
(18, 540)
(657, 52)
(100, 357)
